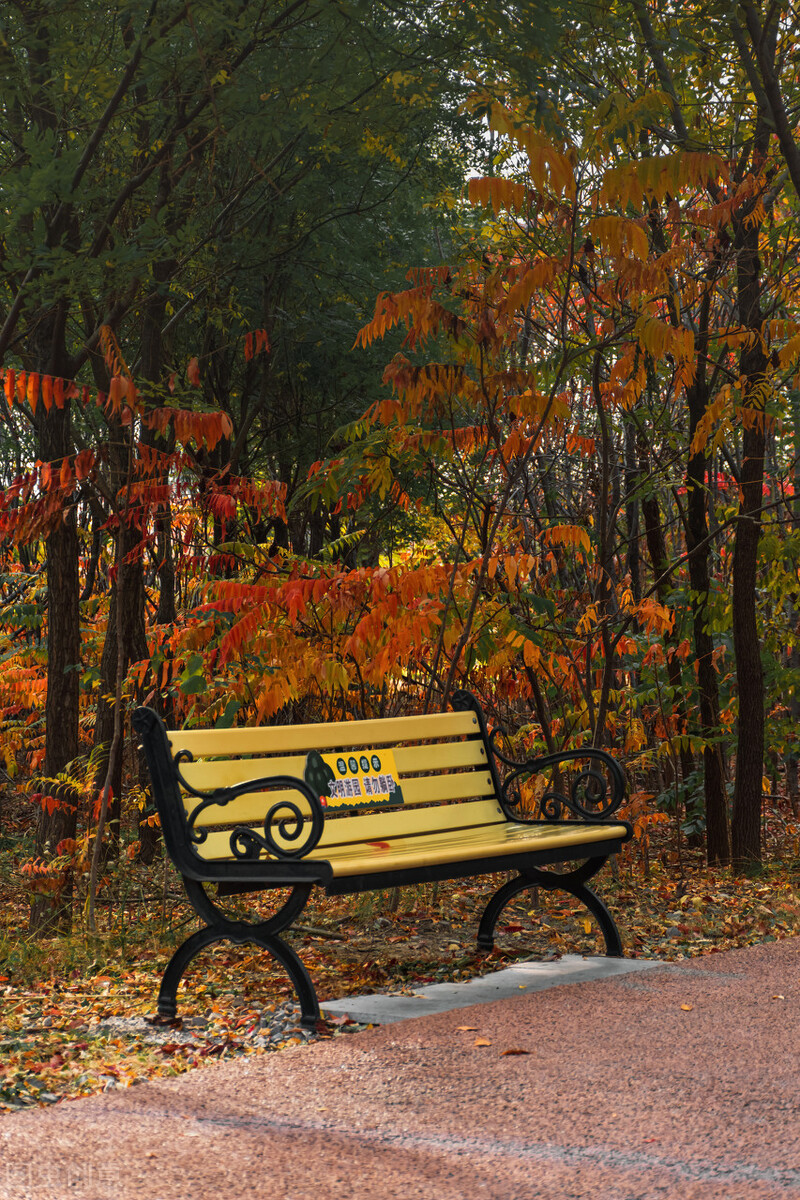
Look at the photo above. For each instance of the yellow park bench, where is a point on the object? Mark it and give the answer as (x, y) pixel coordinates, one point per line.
(355, 806)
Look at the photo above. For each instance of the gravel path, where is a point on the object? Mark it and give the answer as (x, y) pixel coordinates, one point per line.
(678, 1083)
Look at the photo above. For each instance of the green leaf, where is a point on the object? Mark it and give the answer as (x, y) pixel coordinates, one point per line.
(226, 718)
(192, 685)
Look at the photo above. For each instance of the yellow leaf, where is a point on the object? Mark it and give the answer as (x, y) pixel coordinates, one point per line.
(530, 654)
(510, 564)
(620, 235)
(500, 193)
(567, 535)
(687, 1007)
(482, 1042)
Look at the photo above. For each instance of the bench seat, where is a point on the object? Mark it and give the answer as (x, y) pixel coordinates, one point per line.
(456, 846)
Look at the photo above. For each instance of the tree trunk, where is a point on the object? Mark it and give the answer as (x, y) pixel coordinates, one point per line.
(657, 548)
(63, 677)
(152, 365)
(718, 846)
(746, 816)
(127, 591)
(792, 652)
(632, 488)
(46, 352)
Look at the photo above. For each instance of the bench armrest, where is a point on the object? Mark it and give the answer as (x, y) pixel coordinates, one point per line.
(179, 827)
(245, 842)
(592, 793)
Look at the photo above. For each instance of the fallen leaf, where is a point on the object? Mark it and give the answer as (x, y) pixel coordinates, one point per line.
(482, 1042)
(513, 1050)
(687, 1007)
(778, 997)
(724, 920)
(466, 1028)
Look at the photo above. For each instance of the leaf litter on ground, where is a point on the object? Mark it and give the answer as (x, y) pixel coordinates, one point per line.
(77, 1015)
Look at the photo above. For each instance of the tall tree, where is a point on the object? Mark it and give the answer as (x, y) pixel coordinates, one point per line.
(147, 148)
(727, 87)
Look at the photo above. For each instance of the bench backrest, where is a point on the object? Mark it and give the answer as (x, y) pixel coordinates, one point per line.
(443, 766)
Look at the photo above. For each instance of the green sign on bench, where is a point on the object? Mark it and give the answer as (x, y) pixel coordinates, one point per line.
(354, 779)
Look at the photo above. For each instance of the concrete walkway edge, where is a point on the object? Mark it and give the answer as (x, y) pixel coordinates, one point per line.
(532, 976)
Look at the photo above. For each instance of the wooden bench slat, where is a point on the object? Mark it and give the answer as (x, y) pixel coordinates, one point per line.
(283, 739)
(207, 774)
(414, 760)
(251, 807)
(379, 826)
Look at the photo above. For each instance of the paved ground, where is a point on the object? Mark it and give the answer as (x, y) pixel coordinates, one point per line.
(676, 1082)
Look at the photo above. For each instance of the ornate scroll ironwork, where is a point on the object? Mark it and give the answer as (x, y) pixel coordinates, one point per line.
(287, 816)
(592, 795)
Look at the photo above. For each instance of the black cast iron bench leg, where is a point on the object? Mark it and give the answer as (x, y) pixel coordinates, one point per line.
(220, 928)
(573, 882)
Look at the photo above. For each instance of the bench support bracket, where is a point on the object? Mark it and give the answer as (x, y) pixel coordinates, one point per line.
(573, 882)
(219, 928)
